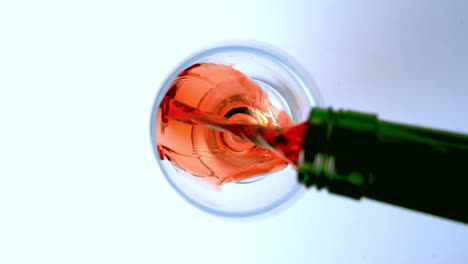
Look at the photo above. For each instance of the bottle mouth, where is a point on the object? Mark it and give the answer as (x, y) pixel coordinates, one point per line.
(259, 194)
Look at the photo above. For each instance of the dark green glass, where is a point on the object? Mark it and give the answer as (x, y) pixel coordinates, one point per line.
(357, 155)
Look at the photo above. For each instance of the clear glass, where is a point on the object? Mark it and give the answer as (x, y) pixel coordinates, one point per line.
(288, 89)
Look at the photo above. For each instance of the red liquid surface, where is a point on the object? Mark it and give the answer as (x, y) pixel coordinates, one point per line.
(216, 123)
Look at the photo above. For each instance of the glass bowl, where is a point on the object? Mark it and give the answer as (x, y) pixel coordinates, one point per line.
(288, 89)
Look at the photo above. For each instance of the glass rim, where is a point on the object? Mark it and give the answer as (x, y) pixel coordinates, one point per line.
(189, 61)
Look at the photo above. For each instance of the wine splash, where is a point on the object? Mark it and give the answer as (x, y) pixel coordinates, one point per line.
(286, 142)
(216, 123)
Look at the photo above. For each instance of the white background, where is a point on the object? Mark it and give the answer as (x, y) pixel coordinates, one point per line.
(78, 179)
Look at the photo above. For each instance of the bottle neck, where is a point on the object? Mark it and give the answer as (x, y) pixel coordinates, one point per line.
(356, 155)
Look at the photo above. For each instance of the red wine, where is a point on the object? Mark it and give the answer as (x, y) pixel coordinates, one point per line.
(215, 122)
(286, 142)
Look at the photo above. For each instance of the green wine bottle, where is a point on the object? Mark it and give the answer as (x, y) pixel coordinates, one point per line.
(357, 155)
